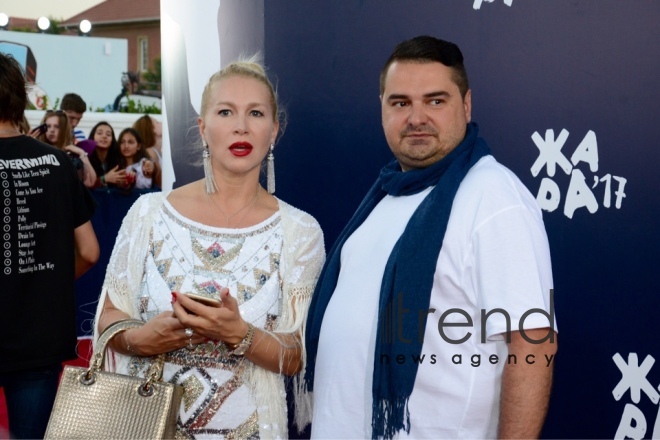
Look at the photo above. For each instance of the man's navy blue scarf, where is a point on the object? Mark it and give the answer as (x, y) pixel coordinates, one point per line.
(409, 272)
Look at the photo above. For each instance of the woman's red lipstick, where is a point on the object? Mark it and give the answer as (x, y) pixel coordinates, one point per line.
(240, 149)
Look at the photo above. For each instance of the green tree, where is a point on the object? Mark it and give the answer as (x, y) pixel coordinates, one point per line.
(151, 79)
(138, 107)
(55, 27)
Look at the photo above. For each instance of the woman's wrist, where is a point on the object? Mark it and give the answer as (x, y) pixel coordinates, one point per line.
(248, 329)
(129, 343)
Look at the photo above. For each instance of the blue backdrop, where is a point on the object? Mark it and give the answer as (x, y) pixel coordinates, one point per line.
(587, 67)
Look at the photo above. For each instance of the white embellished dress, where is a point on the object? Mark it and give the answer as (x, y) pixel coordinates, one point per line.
(271, 268)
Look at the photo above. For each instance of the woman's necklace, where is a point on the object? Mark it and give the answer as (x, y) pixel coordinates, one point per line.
(9, 131)
(229, 217)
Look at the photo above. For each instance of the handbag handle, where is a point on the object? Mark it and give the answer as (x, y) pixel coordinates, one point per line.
(155, 372)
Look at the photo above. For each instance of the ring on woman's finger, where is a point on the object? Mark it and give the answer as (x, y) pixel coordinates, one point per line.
(189, 332)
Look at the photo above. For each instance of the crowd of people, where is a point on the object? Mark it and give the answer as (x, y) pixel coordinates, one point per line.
(129, 161)
(233, 286)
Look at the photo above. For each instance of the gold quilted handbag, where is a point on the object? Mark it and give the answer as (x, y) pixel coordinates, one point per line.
(92, 403)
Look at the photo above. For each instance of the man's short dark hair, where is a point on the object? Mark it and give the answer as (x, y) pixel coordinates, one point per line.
(13, 90)
(73, 102)
(425, 49)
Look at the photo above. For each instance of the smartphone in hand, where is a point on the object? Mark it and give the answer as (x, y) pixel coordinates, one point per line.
(206, 300)
(40, 129)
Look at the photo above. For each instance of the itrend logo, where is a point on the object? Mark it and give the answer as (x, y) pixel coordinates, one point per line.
(477, 3)
(633, 377)
(393, 330)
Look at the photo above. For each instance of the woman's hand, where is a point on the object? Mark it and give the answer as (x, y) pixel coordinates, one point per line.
(89, 175)
(76, 150)
(35, 132)
(147, 168)
(116, 177)
(279, 353)
(223, 323)
(161, 334)
(131, 178)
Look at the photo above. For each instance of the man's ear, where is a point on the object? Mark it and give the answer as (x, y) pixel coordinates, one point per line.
(467, 105)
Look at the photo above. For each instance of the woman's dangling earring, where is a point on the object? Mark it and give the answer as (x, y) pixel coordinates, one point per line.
(209, 179)
(270, 171)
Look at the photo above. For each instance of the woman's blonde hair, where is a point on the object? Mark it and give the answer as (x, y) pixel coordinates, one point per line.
(248, 67)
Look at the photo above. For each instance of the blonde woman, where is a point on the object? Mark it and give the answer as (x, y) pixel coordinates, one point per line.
(226, 239)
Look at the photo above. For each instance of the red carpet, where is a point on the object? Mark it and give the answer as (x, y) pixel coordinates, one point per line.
(3, 416)
(84, 353)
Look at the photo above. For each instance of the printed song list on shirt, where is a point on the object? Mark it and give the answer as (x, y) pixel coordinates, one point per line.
(22, 186)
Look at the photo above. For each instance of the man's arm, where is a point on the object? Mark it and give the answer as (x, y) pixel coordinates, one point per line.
(526, 386)
(86, 248)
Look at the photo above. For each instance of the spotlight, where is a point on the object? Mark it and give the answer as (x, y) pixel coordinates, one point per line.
(4, 21)
(43, 24)
(84, 28)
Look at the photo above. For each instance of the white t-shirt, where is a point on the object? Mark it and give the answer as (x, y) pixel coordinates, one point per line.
(495, 254)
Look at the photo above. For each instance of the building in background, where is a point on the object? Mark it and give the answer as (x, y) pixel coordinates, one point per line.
(136, 21)
(21, 24)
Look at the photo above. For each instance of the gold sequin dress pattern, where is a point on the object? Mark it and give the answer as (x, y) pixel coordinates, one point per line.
(185, 256)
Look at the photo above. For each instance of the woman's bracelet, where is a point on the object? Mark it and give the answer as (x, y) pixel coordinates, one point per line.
(128, 345)
(103, 182)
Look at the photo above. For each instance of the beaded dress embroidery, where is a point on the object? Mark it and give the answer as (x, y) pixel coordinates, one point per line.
(301, 259)
(188, 257)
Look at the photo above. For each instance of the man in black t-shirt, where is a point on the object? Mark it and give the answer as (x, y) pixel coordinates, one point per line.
(47, 242)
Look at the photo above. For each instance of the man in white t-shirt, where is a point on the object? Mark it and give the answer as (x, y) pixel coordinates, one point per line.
(433, 317)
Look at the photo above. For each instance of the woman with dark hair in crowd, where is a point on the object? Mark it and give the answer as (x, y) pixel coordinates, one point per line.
(106, 156)
(58, 133)
(134, 160)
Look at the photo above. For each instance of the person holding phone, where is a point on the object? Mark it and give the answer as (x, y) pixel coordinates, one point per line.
(39, 130)
(56, 131)
(221, 271)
